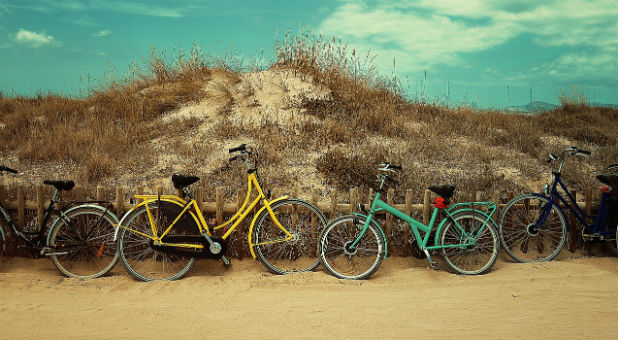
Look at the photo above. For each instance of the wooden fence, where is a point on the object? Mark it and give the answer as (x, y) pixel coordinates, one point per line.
(28, 203)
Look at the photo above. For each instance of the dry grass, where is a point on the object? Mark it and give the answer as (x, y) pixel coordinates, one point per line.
(118, 131)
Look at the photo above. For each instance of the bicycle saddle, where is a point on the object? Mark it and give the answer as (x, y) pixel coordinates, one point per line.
(444, 190)
(61, 185)
(611, 180)
(181, 181)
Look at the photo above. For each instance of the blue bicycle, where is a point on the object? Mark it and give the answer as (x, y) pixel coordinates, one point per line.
(534, 227)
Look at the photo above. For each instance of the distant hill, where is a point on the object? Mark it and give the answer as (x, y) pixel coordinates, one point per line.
(539, 106)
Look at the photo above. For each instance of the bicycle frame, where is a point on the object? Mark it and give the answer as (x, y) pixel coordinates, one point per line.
(194, 210)
(379, 205)
(571, 204)
(40, 235)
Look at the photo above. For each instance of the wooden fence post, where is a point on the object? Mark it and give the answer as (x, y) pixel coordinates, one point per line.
(21, 205)
(406, 233)
(314, 220)
(119, 201)
(39, 205)
(333, 204)
(390, 196)
(219, 205)
(353, 199)
(100, 196)
(426, 206)
(241, 245)
(573, 227)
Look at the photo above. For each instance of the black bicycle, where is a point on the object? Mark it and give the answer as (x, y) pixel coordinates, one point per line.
(534, 227)
(80, 240)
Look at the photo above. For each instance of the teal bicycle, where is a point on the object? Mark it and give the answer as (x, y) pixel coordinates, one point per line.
(353, 246)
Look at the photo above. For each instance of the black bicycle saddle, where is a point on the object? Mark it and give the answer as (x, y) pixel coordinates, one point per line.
(611, 180)
(60, 185)
(181, 181)
(443, 190)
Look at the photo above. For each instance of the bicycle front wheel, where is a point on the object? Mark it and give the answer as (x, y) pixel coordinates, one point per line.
(345, 262)
(139, 256)
(284, 254)
(82, 242)
(532, 229)
(469, 259)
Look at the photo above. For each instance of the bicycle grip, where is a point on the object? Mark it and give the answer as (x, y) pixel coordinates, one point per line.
(586, 152)
(396, 167)
(7, 169)
(238, 148)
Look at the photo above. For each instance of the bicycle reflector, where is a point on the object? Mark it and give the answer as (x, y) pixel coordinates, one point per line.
(440, 203)
(605, 189)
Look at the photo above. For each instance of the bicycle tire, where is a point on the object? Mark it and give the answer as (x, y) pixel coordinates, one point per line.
(138, 256)
(86, 234)
(1, 241)
(342, 263)
(612, 244)
(517, 229)
(476, 260)
(298, 254)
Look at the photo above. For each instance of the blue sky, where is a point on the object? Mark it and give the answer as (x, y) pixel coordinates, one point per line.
(479, 47)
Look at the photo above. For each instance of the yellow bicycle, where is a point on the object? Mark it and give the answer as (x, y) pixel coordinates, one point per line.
(160, 238)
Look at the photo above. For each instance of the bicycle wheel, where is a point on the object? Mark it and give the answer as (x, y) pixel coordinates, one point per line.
(138, 255)
(522, 239)
(82, 242)
(301, 219)
(345, 263)
(1, 241)
(470, 260)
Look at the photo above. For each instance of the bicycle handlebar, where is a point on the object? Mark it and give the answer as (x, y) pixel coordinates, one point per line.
(241, 147)
(389, 166)
(7, 169)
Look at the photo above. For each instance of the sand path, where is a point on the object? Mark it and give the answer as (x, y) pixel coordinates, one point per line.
(573, 298)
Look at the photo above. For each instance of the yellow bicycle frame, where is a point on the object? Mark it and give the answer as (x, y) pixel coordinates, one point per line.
(193, 209)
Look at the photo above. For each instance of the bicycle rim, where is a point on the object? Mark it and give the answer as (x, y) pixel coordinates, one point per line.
(526, 241)
(139, 257)
(276, 250)
(340, 259)
(83, 243)
(470, 260)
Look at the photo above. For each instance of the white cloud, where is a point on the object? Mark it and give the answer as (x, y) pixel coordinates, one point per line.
(420, 33)
(33, 39)
(102, 33)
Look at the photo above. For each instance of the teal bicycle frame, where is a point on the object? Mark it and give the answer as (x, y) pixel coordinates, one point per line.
(466, 238)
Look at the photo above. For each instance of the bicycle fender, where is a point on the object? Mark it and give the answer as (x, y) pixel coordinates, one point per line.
(119, 225)
(453, 213)
(379, 228)
(255, 218)
(93, 206)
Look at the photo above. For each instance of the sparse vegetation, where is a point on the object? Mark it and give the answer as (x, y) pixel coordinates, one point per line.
(180, 114)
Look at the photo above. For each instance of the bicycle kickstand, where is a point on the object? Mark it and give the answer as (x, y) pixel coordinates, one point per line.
(226, 262)
(434, 265)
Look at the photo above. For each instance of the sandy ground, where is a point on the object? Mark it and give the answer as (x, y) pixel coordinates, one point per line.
(575, 297)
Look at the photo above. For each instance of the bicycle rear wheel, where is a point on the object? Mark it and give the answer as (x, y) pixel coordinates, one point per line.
(523, 239)
(470, 260)
(138, 255)
(344, 262)
(82, 242)
(301, 219)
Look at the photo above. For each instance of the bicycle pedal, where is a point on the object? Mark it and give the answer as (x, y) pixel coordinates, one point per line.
(435, 266)
(225, 260)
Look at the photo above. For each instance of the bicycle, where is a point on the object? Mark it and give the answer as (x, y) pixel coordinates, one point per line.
(80, 239)
(534, 227)
(354, 246)
(163, 235)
